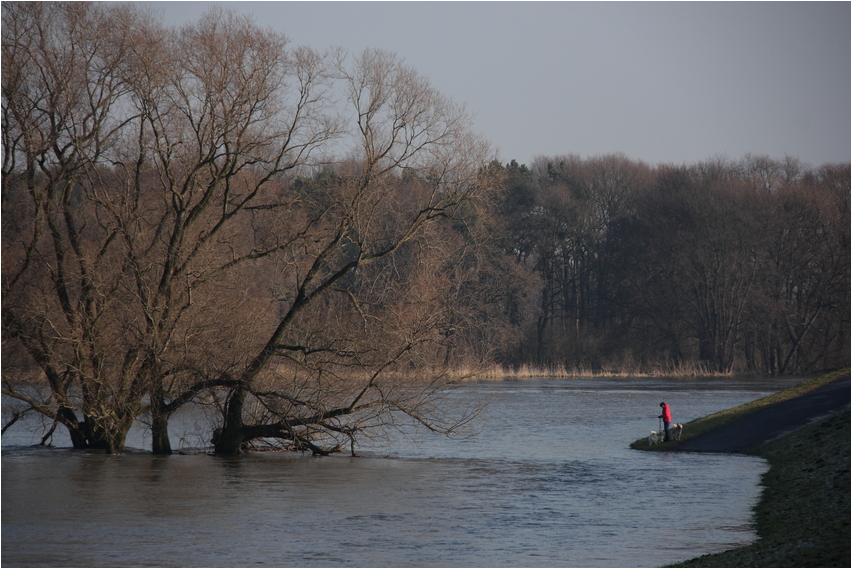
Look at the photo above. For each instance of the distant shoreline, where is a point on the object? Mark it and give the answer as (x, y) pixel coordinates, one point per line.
(499, 372)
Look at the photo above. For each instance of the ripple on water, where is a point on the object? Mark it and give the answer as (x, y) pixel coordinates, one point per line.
(548, 481)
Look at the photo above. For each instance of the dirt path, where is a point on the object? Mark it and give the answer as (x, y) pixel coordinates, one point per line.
(771, 422)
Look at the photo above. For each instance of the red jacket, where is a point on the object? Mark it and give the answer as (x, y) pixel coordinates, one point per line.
(667, 414)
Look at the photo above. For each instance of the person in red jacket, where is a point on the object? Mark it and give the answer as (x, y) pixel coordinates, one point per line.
(667, 418)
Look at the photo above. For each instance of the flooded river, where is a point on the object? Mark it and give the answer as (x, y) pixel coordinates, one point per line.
(547, 480)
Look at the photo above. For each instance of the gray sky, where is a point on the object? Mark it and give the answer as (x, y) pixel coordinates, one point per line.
(662, 82)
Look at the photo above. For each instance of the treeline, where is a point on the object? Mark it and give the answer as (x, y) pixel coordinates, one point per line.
(725, 265)
(609, 264)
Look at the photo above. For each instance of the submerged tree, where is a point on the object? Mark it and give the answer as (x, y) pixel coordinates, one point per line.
(158, 246)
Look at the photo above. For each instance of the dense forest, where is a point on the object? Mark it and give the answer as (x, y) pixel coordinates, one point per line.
(726, 265)
(315, 244)
(607, 264)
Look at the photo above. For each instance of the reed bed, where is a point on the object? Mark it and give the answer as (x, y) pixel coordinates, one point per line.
(498, 372)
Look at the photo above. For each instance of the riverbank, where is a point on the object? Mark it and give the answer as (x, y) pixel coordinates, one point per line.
(803, 517)
(715, 423)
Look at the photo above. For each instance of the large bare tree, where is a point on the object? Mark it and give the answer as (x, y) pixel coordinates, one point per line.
(167, 235)
(372, 259)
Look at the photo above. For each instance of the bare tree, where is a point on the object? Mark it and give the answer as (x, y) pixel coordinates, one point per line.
(164, 249)
(61, 113)
(369, 248)
(136, 154)
(807, 272)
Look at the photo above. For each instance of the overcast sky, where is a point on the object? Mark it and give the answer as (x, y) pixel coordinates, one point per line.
(662, 82)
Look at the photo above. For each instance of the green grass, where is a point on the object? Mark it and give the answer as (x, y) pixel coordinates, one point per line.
(710, 422)
(803, 517)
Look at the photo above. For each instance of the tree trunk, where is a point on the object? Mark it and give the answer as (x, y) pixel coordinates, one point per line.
(229, 439)
(160, 443)
(706, 351)
(111, 440)
(76, 429)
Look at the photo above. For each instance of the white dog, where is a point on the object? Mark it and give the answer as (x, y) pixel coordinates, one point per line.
(656, 438)
(674, 432)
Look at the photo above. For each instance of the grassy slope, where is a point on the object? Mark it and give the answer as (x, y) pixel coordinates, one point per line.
(710, 422)
(803, 518)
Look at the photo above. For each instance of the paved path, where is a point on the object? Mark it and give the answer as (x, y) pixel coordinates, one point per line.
(771, 422)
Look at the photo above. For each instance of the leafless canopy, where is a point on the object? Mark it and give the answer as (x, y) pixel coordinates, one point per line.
(210, 214)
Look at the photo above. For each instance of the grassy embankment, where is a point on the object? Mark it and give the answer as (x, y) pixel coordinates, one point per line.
(710, 422)
(803, 517)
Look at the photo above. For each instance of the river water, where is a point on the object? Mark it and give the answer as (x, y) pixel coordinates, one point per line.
(547, 480)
